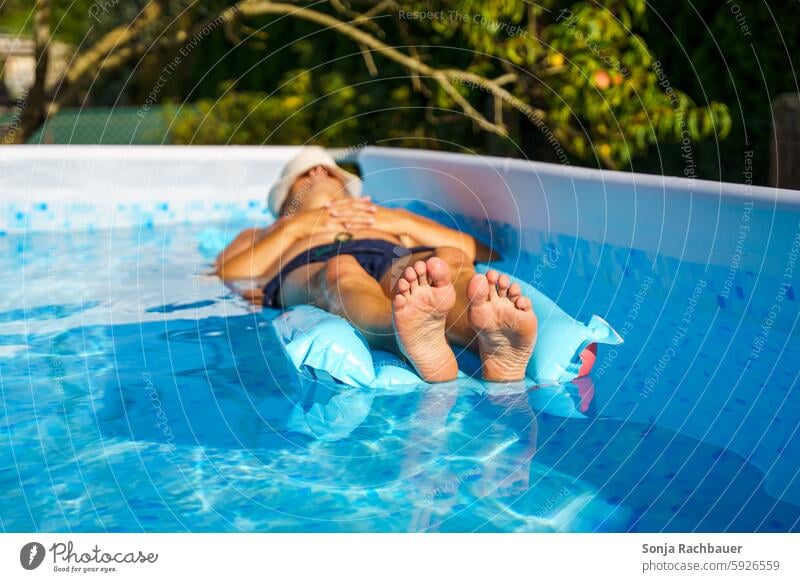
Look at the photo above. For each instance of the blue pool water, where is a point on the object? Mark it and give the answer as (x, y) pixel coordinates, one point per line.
(139, 394)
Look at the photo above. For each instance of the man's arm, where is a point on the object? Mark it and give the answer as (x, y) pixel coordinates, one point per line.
(243, 241)
(431, 233)
(262, 254)
(261, 258)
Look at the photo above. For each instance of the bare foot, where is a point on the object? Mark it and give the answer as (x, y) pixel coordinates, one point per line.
(505, 325)
(423, 296)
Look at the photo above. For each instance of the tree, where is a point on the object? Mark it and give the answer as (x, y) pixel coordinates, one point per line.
(571, 79)
(35, 113)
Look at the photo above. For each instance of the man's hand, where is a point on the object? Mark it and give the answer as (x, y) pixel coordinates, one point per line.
(394, 220)
(425, 231)
(262, 256)
(346, 214)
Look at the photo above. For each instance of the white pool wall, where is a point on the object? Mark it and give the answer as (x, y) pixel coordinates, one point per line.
(695, 220)
(78, 187)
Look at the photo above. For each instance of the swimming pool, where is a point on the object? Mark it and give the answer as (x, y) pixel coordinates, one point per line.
(141, 395)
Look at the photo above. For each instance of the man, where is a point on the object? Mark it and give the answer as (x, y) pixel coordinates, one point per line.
(406, 282)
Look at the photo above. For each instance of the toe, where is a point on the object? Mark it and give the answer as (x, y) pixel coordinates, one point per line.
(438, 272)
(410, 275)
(503, 283)
(422, 272)
(399, 301)
(523, 304)
(492, 276)
(478, 290)
(403, 286)
(514, 291)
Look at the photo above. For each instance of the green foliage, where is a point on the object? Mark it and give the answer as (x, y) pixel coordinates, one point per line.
(604, 94)
(323, 109)
(247, 117)
(71, 21)
(277, 79)
(604, 78)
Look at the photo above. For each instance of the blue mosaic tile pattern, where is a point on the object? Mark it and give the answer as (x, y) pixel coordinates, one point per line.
(682, 428)
(48, 216)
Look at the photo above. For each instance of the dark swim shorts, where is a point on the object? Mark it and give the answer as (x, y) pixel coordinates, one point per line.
(374, 255)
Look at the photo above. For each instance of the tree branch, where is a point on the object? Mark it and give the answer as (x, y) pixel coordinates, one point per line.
(467, 107)
(368, 60)
(445, 77)
(88, 61)
(119, 46)
(35, 111)
(365, 18)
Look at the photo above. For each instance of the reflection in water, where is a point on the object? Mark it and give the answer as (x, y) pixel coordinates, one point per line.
(465, 451)
(448, 469)
(157, 401)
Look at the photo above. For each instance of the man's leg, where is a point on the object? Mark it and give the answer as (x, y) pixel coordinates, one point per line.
(458, 329)
(421, 302)
(423, 297)
(490, 315)
(341, 286)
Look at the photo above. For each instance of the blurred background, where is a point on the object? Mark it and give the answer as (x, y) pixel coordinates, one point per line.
(704, 89)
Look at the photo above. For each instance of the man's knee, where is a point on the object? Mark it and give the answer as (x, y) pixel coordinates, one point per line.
(328, 283)
(339, 276)
(338, 268)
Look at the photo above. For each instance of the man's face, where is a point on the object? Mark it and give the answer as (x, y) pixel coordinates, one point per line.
(313, 190)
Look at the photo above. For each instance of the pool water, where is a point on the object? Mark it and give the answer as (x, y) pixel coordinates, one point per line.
(139, 394)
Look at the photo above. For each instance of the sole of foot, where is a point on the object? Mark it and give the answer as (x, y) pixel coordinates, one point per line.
(505, 326)
(423, 296)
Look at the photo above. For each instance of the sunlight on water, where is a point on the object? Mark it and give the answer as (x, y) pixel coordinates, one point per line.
(139, 394)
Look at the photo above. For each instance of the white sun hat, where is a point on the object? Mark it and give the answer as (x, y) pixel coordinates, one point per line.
(309, 157)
